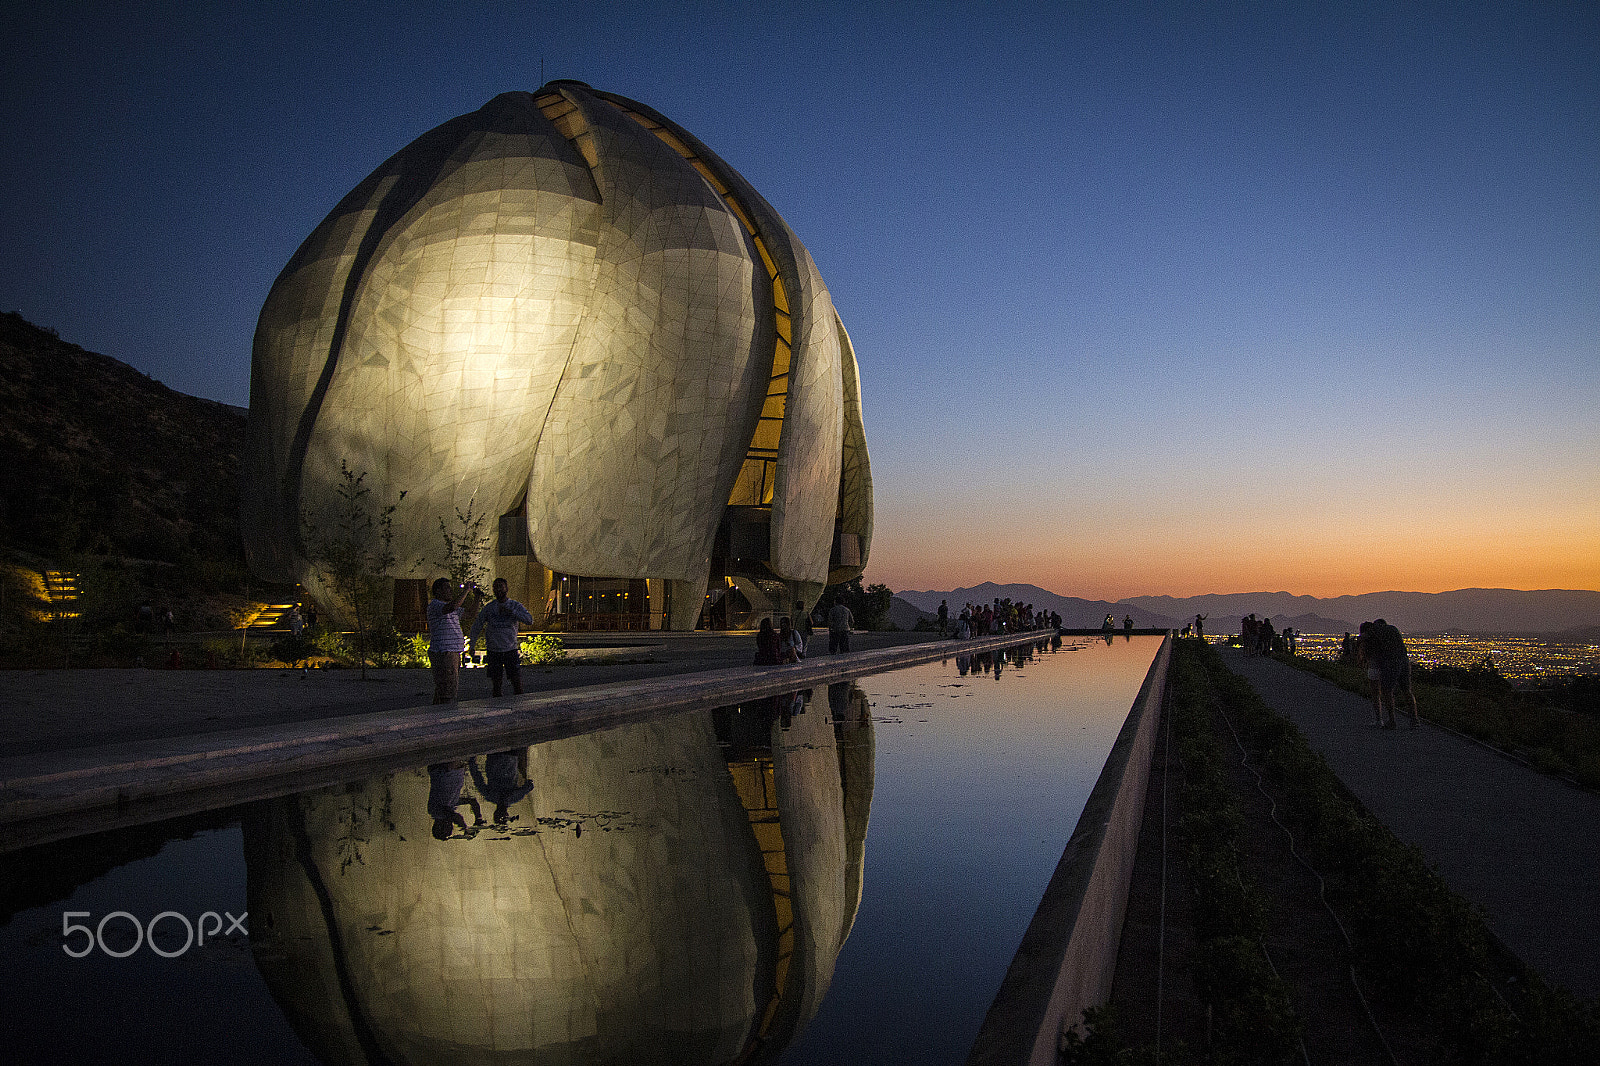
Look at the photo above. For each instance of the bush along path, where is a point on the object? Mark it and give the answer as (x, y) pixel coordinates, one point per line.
(1320, 936)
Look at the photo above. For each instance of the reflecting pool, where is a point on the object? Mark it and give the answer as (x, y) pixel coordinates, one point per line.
(836, 875)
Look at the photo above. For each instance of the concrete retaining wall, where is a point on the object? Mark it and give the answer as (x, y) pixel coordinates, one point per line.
(1069, 953)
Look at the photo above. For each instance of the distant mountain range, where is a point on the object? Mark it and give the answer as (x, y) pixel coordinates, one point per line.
(1075, 613)
(1568, 612)
(1500, 611)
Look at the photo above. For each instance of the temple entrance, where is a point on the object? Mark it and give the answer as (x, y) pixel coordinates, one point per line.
(580, 604)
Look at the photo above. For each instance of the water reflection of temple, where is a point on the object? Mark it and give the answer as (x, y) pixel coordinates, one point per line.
(673, 891)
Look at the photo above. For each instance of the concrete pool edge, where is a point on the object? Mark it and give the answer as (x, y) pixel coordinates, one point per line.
(1068, 954)
(68, 793)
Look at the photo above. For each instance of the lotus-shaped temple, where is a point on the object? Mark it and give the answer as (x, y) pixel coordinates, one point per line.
(566, 311)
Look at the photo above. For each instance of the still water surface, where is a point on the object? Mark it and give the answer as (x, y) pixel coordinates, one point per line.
(843, 877)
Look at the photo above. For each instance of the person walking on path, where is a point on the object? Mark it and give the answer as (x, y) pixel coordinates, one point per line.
(297, 625)
(840, 622)
(499, 620)
(445, 642)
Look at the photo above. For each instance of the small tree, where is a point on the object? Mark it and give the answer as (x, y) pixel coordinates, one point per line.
(869, 606)
(466, 542)
(354, 552)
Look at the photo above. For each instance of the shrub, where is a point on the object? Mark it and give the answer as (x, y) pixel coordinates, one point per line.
(542, 649)
(292, 650)
(332, 644)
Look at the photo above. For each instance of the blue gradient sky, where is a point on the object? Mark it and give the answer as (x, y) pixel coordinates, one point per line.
(1147, 299)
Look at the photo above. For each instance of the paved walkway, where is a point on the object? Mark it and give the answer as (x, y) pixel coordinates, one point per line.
(1519, 843)
(45, 711)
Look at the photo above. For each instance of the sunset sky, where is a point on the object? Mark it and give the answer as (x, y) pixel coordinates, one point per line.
(1147, 298)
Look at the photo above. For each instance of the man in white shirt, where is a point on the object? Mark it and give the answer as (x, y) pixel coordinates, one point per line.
(445, 642)
(499, 620)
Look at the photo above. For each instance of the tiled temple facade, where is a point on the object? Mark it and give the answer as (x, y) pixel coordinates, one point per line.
(566, 311)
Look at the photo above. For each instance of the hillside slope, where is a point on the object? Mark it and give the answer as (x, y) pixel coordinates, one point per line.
(96, 457)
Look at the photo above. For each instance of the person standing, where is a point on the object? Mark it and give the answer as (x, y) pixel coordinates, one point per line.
(445, 642)
(1394, 669)
(1367, 657)
(297, 626)
(498, 620)
(802, 623)
(840, 621)
(944, 617)
(1127, 624)
(1200, 626)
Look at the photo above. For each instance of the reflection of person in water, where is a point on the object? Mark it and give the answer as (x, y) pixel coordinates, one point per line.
(502, 781)
(445, 782)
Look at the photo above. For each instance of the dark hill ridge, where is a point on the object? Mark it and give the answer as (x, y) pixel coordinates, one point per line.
(95, 456)
(1572, 614)
(1487, 611)
(1075, 613)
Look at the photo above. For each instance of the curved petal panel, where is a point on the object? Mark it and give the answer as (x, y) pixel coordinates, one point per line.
(660, 395)
(460, 332)
(855, 473)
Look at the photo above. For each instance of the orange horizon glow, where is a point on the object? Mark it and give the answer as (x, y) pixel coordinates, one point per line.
(1186, 566)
